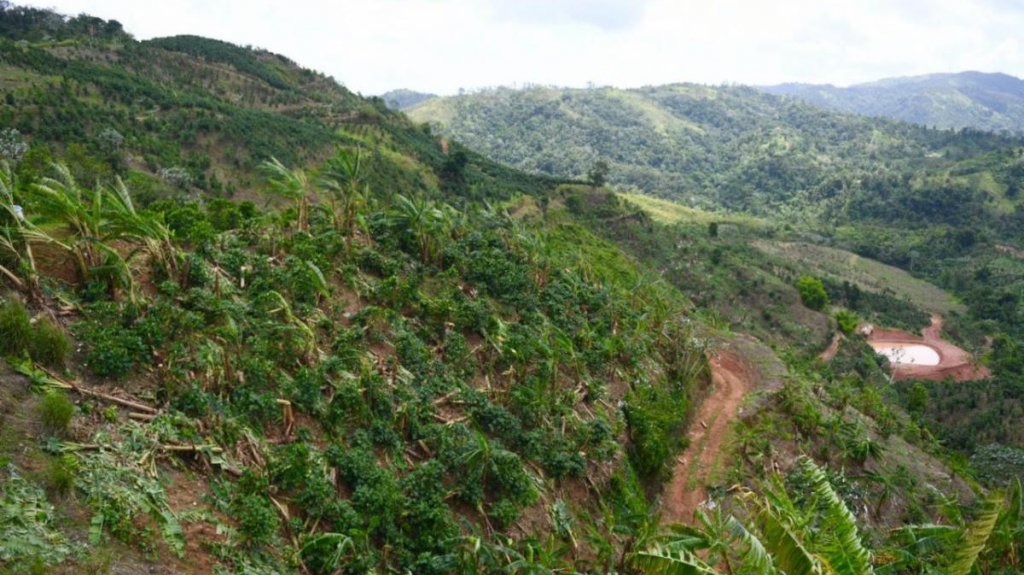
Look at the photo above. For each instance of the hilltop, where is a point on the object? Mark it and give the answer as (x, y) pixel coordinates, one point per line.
(982, 101)
(401, 99)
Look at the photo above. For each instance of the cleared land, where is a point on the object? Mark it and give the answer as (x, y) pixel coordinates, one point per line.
(866, 273)
(669, 212)
(953, 362)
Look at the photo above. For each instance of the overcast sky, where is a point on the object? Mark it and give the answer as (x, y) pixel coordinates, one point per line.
(442, 45)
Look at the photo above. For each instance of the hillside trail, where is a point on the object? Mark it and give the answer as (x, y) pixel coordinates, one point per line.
(832, 349)
(731, 380)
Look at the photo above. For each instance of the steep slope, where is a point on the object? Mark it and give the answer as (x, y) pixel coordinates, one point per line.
(199, 115)
(992, 102)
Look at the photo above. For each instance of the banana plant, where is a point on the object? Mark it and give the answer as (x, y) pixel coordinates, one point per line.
(154, 237)
(292, 185)
(780, 537)
(13, 243)
(342, 179)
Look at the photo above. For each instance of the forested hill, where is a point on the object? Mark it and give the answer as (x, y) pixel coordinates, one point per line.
(723, 146)
(401, 99)
(199, 115)
(983, 101)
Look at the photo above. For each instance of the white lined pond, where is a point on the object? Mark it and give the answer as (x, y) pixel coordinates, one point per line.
(907, 353)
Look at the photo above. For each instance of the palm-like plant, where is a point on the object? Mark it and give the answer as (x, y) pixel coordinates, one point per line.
(61, 199)
(292, 185)
(819, 539)
(13, 243)
(425, 221)
(342, 179)
(124, 222)
(94, 220)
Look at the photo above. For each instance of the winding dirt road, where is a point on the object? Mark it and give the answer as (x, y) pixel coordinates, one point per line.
(731, 380)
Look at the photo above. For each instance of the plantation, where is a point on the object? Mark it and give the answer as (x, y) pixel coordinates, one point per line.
(254, 323)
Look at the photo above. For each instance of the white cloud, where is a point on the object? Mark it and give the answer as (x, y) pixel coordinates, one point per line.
(442, 45)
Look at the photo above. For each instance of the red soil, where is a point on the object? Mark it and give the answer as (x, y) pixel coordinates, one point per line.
(832, 348)
(954, 362)
(731, 379)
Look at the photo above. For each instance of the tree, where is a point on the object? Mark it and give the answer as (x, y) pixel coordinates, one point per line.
(598, 174)
(917, 402)
(846, 320)
(12, 146)
(812, 292)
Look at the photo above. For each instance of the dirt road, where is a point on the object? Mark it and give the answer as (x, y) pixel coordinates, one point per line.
(832, 349)
(731, 380)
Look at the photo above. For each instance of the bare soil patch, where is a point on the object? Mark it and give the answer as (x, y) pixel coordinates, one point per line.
(731, 379)
(953, 362)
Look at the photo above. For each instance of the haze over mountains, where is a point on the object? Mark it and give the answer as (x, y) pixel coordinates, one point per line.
(993, 102)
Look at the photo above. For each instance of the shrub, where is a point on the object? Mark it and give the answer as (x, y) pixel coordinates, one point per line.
(812, 292)
(42, 340)
(49, 344)
(112, 350)
(847, 321)
(15, 327)
(257, 519)
(60, 474)
(55, 411)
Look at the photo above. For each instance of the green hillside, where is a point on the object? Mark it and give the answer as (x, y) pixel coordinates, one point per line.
(252, 323)
(992, 102)
(704, 146)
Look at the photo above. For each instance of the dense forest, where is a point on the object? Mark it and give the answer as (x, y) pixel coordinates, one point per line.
(705, 146)
(254, 323)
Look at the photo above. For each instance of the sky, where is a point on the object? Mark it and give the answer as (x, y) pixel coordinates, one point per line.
(442, 46)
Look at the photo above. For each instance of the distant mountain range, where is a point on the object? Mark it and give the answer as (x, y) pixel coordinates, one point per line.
(993, 102)
(401, 99)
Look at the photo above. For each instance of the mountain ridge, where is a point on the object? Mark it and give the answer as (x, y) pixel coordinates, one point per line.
(992, 101)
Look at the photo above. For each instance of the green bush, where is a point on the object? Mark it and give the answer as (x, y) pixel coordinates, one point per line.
(15, 328)
(55, 411)
(111, 350)
(257, 519)
(60, 474)
(812, 292)
(847, 321)
(42, 340)
(49, 344)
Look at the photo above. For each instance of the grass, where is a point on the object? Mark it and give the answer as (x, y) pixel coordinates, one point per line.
(55, 411)
(669, 212)
(15, 328)
(49, 344)
(60, 475)
(43, 340)
(868, 274)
